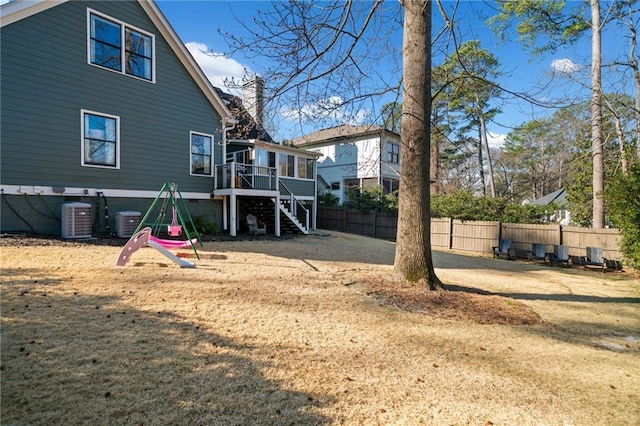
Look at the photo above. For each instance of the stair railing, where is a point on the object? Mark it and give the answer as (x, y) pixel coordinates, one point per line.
(294, 204)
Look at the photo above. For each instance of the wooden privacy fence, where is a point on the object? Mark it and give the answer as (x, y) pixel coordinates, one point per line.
(475, 236)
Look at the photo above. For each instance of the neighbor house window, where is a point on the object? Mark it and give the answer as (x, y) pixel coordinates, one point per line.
(201, 154)
(390, 185)
(120, 47)
(393, 153)
(100, 139)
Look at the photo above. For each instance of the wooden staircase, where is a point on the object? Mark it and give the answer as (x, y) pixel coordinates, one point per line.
(263, 208)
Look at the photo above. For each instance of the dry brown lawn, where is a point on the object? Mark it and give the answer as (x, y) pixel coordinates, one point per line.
(311, 331)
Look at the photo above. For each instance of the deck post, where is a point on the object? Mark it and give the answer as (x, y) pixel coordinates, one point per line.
(277, 216)
(233, 215)
(225, 215)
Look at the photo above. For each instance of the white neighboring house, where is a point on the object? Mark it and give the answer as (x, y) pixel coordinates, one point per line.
(354, 157)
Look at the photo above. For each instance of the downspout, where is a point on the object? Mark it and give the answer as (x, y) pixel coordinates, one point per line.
(225, 129)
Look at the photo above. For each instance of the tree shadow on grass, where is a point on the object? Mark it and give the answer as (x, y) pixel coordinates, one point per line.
(566, 297)
(589, 332)
(70, 358)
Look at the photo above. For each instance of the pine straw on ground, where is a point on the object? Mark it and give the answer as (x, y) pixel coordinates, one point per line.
(449, 302)
(310, 331)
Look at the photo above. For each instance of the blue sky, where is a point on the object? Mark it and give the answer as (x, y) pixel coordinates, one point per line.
(198, 24)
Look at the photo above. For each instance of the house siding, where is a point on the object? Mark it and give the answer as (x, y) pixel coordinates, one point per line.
(42, 214)
(301, 188)
(46, 82)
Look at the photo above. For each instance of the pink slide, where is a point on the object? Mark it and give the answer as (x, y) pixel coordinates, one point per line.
(174, 244)
(144, 238)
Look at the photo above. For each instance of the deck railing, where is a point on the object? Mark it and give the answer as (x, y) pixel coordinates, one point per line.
(246, 176)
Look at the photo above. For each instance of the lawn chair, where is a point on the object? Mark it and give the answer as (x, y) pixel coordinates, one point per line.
(504, 249)
(560, 255)
(256, 228)
(538, 252)
(594, 258)
(614, 264)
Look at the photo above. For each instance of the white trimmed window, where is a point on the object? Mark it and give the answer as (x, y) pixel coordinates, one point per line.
(114, 45)
(100, 139)
(201, 154)
(286, 165)
(305, 168)
(393, 153)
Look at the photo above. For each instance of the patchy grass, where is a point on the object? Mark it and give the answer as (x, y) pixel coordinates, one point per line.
(311, 331)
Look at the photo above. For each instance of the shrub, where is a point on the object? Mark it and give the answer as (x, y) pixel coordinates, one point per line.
(204, 226)
(622, 201)
(328, 199)
(367, 199)
(462, 205)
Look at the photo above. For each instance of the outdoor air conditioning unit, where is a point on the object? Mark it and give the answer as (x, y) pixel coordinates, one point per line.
(126, 223)
(77, 221)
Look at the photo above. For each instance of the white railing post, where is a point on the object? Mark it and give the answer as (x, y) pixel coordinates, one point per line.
(233, 174)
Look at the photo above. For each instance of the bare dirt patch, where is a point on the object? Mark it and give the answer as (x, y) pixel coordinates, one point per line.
(309, 331)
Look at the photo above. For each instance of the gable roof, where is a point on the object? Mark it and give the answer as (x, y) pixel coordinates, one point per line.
(557, 197)
(20, 9)
(337, 133)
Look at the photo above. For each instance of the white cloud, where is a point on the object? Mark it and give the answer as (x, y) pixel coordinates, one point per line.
(564, 65)
(325, 109)
(216, 66)
(495, 141)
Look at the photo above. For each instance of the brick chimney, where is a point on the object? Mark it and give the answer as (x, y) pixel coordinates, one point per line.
(253, 99)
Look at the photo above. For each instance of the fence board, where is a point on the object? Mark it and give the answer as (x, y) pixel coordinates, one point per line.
(523, 235)
(475, 236)
(441, 232)
(579, 238)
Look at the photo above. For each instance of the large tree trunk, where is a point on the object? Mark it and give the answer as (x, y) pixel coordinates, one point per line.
(485, 142)
(636, 74)
(413, 259)
(596, 118)
(483, 182)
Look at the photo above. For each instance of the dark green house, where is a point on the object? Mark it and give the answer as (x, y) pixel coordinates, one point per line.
(101, 104)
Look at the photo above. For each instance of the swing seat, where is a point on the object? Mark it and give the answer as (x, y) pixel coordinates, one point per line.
(174, 230)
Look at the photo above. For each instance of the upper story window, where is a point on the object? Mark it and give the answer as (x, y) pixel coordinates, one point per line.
(305, 168)
(100, 139)
(201, 154)
(393, 153)
(120, 47)
(286, 165)
(264, 158)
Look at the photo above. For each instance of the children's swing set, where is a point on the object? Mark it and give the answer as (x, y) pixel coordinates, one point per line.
(146, 234)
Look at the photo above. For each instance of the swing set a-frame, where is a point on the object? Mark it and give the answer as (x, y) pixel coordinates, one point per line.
(170, 197)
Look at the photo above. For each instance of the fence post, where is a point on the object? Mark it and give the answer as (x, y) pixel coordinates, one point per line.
(559, 234)
(375, 222)
(450, 233)
(344, 218)
(499, 231)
